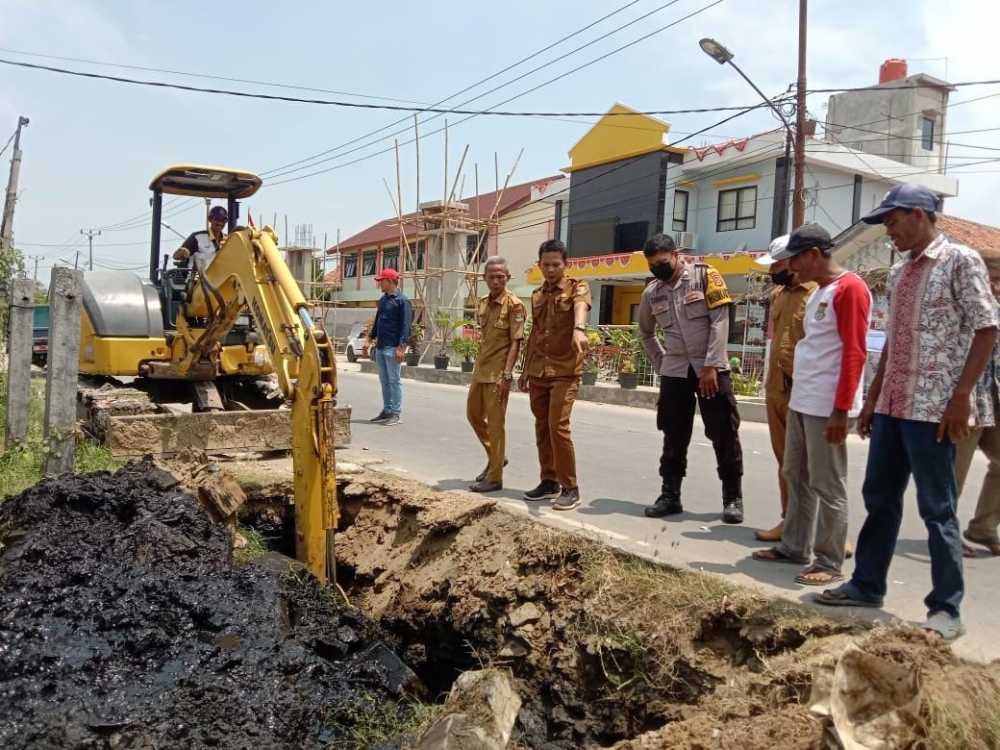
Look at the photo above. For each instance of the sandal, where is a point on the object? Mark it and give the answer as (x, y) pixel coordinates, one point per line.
(846, 595)
(991, 543)
(818, 577)
(967, 551)
(774, 554)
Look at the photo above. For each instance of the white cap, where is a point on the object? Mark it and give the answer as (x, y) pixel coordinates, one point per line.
(777, 245)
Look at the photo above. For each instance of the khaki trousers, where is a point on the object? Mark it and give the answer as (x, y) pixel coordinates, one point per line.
(987, 517)
(551, 403)
(777, 425)
(487, 413)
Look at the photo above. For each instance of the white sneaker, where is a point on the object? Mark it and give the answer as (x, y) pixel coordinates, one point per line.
(948, 627)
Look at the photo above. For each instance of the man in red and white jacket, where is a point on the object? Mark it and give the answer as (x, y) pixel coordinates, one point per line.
(826, 394)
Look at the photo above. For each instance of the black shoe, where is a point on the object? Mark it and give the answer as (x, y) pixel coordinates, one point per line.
(547, 489)
(482, 475)
(568, 499)
(382, 416)
(667, 504)
(732, 511)
(391, 420)
(669, 501)
(732, 500)
(484, 486)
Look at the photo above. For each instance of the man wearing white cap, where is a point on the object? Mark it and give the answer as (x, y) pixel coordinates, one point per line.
(788, 304)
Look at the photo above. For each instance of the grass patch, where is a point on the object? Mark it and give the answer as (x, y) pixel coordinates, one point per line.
(961, 709)
(255, 546)
(375, 723)
(22, 466)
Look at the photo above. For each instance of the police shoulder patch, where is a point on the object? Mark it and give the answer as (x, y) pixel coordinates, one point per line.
(716, 292)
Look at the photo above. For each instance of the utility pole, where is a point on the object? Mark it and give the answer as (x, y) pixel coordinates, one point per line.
(7, 226)
(799, 194)
(35, 276)
(89, 234)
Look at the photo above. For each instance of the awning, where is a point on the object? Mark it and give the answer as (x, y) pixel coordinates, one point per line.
(633, 266)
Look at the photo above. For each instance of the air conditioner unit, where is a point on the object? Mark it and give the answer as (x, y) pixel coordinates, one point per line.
(686, 240)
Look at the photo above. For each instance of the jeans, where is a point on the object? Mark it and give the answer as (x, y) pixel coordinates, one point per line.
(388, 376)
(899, 448)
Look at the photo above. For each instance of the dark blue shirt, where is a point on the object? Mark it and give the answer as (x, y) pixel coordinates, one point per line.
(393, 319)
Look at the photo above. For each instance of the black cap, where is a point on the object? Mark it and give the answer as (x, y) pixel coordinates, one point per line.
(906, 195)
(805, 238)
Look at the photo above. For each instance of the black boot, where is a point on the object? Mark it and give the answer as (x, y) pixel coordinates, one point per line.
(669, 501)
(732, 500)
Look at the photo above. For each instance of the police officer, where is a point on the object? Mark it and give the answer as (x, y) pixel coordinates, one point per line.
(500, 315)
(203, 245)
(690, 303)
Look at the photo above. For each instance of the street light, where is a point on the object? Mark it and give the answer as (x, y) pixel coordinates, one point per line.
(715, 50)
(722, 55)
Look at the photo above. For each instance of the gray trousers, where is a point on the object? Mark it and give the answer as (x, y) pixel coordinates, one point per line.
(816, 475)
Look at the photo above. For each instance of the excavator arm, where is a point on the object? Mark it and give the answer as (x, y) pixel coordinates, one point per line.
(249, 272)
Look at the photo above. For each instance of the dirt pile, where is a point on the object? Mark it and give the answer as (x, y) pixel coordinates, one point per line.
(123, 624)
(607, 648)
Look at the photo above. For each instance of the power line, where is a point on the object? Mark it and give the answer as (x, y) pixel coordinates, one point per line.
(391, 107)
(510, 99)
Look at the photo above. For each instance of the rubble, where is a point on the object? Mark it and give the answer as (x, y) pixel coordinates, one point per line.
(478, 715)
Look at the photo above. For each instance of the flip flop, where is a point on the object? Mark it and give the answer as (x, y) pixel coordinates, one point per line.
(991, 543)
(818, 577)
(774, 554)
(846, 595)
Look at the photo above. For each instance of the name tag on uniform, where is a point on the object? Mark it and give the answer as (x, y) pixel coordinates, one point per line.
(660, 306)
(695, 296)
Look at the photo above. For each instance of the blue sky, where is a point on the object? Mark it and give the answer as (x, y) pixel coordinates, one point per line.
(92, 146)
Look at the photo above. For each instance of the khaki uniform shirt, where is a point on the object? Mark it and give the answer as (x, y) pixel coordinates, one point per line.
(501, 323)
(788, 307)
(694, 315)
(550, 346)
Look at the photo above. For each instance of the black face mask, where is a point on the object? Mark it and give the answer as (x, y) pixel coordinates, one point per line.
(662, 271)
(782, 278)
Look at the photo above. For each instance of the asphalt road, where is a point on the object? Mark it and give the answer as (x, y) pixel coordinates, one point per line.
(617, 456)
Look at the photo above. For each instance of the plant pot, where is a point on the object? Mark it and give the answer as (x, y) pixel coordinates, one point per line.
(468, 365)
(412, 359)
(628, 380)
(589, 378)
(440, 361)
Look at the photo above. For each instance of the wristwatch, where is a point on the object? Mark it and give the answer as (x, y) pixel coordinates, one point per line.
(506, 376)
(580, 328)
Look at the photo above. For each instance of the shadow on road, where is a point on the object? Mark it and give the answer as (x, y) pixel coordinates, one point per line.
(738, 534)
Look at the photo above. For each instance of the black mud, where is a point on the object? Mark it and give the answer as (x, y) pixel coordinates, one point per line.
(123, 624)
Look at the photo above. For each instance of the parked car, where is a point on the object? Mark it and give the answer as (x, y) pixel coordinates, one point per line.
(357, 342)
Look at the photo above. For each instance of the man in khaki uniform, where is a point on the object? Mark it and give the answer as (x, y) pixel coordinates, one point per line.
(500, 315)
(788, 304)
(553, 363)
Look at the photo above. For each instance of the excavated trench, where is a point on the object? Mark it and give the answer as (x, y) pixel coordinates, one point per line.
(605, 650)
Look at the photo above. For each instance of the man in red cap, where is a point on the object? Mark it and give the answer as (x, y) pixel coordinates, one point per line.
(390, 332)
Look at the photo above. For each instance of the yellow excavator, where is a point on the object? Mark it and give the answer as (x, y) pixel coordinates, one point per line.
(218, 325)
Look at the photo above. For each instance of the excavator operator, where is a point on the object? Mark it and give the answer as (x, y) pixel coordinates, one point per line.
(205, 244)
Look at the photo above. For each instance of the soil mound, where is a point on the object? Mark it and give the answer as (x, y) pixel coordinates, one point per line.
(123, 624)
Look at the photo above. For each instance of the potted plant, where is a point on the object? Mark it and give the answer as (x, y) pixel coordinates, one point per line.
(468, 348)
(590, 370)
(413, 351)
(627, 375)
(445, 325)
(590, 367)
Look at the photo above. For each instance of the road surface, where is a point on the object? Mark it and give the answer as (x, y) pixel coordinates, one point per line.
(617, 464)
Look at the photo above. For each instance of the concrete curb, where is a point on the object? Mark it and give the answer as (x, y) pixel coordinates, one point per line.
(643, 397)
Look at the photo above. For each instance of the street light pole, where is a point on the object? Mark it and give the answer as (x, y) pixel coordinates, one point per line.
(799, 196)
(722, 55)
(89, 234)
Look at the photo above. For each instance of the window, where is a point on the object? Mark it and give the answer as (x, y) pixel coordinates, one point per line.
(737, 209)
(390, 257)
(680, 223)
(350, 265)
(631, 235)
(471, 243)
(421, 253)
(368, 263)
(927, 133)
